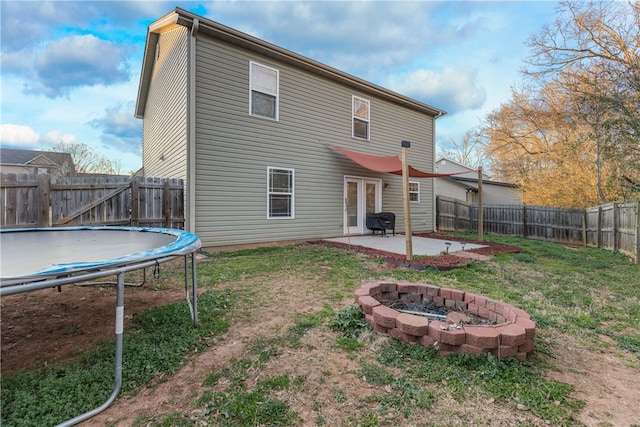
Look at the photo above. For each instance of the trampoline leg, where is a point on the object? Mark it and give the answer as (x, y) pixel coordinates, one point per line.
(118, 363)
(193, 306)
(194, 284)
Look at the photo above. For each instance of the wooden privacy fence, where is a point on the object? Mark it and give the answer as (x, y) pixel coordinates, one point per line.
(50, 201)
(614, 226)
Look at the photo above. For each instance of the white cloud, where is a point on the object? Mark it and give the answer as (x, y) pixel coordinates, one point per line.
(452, 89)
(78, 61)
(121, 131)
(355, 37)
(26, 24)
(55, 137)
(119, 121)
(52, 57)
(17, 63)
(18, 136)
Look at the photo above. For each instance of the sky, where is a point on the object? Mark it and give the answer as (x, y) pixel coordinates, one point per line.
(69, 70)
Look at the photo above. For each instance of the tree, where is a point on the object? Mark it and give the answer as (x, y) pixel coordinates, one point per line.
(570, 135)
(593, 50)
(533, 142)
(86, 160)
(469, 151)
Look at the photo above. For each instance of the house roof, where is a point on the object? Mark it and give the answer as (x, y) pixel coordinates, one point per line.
(11, 156)
(460, 165)
(198, 24)
(451, 165)
(472, 183)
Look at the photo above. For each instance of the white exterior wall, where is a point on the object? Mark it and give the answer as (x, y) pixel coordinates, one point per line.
(445, 187)
(500, 195)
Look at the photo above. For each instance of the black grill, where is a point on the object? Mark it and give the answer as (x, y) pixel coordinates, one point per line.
(381, 221)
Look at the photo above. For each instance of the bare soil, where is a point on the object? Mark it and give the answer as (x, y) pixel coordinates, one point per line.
(48, 326)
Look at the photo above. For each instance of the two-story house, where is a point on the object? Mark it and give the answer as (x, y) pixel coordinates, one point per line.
(251, 127)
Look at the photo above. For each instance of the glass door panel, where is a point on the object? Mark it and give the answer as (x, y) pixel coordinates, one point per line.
(352, 203)
(371, 196)
(361, 197)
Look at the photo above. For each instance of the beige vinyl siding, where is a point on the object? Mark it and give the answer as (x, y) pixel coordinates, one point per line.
(234, 149)
(165, 116)
(447, 188)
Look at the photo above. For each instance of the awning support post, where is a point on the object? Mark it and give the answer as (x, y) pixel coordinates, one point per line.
(405, 195)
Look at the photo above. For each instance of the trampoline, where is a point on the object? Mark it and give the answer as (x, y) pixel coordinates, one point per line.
(39, 258)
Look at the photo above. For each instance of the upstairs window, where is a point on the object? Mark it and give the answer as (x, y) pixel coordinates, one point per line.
(280, 193)
(414, 192)
(360, 112)
(263, 100)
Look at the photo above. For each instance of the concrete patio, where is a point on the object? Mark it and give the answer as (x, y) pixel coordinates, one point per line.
(422, 246)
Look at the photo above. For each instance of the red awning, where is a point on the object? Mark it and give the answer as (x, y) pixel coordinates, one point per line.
(388, 164)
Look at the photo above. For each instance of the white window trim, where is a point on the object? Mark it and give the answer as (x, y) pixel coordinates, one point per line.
(277, 94)
(292, 193)
(353, 116)
(414, 192)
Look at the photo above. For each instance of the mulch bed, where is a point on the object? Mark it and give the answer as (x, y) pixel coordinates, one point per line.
(441, 262)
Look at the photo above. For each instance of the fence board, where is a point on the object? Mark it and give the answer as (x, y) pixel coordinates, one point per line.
(44, 200)
(614, 226)
(453, 214)
(17, 195)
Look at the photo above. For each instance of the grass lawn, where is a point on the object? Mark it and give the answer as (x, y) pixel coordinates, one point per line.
(280, 344)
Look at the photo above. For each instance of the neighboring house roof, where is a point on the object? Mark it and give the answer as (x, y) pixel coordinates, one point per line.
(11, 156)
(451, 166)
(469, 180)
(198, 24)
(471, 184)
(457, 164)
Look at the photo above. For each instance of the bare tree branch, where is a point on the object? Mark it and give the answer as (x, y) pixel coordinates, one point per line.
(87, 160)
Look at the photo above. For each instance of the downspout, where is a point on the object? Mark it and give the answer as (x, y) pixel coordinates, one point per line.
(433, 168)
(191, 131)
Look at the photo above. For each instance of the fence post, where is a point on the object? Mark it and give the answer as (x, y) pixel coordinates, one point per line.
(638, 232)
(135, 199)
(616, 225)
(525, 231)
(167, 204)
(438, 212)
(584, 228)
(456, 214)
(599, 228)
(44, 200)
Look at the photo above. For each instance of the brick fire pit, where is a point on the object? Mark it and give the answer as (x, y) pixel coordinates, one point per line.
(511, 333)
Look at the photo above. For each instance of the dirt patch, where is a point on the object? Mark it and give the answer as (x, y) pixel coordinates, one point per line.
(50, 326)
(603, 376)
(47, 327)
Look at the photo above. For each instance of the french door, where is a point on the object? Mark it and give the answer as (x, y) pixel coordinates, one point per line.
(362, 196)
